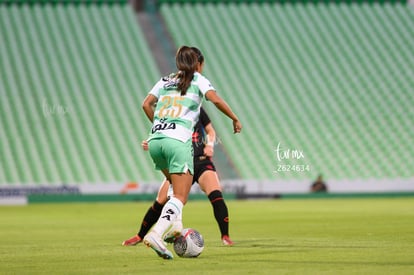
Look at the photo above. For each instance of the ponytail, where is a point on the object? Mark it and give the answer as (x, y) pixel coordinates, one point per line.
(186, 61)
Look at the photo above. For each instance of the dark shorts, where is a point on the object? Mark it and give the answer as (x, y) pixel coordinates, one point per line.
(202, 164)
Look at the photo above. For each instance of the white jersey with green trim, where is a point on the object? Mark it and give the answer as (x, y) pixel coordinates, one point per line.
(176, 115)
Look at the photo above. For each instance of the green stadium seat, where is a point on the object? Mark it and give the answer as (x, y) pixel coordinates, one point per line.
(72, 78)
(331, 79)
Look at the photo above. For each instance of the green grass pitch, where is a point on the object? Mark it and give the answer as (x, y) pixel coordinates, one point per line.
(315, 236)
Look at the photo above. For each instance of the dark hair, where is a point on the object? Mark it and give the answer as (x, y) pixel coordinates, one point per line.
(186, 61)
(200, 56)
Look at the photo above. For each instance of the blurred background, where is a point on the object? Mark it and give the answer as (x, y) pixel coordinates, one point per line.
(323, 89)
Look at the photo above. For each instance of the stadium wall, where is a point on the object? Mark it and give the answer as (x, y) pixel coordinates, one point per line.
(233, 189)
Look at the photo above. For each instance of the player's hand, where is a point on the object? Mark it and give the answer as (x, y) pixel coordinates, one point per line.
(144, 145)
(237, 127)
(208, 151)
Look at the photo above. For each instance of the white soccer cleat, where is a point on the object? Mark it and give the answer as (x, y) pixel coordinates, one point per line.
(154, 241)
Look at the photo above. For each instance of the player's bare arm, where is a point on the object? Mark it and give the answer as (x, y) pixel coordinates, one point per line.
(211, 139)
(225, 109)
(148, 105)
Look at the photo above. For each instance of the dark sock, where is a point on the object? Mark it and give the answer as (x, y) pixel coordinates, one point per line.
(220, 211)
(150, 218)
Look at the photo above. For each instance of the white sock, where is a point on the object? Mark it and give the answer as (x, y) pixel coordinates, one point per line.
(171, 211)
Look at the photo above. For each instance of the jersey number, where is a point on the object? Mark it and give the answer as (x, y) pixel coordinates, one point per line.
(171, 106)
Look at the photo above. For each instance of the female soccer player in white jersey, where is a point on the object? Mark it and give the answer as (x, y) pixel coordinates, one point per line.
(205, 175)
(178, 99)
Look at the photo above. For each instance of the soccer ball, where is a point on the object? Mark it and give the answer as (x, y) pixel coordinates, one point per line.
(190, 244)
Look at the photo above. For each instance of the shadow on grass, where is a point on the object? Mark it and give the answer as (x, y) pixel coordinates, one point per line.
(254, 243)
